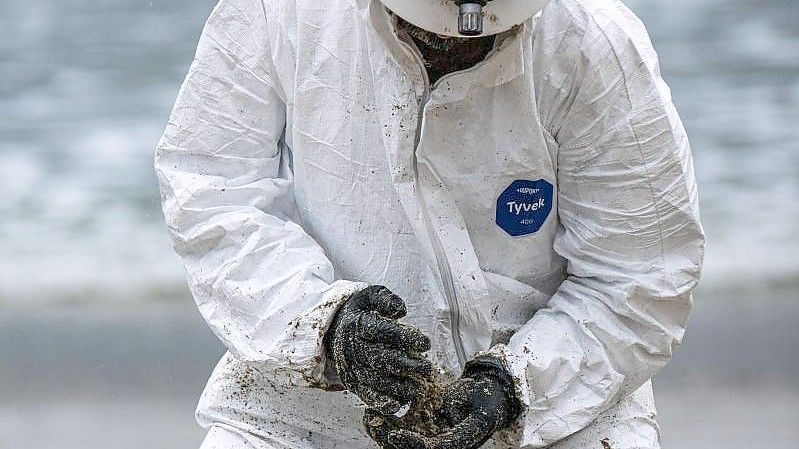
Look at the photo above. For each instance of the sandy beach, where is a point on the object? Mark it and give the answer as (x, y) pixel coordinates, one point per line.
(81, 376)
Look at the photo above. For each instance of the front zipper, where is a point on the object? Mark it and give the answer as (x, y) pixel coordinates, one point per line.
(445, 271)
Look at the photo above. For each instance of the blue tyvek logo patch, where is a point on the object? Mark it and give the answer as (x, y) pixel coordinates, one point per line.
(524, 206)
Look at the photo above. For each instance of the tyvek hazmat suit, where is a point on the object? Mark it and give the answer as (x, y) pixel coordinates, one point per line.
(540, 206)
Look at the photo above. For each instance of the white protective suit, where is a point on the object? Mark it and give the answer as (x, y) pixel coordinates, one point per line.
(541, 206)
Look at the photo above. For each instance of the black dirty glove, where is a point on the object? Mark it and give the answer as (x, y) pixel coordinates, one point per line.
(377, 358)
(475, 406)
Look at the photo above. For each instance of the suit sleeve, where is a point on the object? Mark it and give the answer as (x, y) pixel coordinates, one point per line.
(630, 230)
(264, 286)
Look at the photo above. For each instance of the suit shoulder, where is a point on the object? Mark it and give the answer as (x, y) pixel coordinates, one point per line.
(587, 29)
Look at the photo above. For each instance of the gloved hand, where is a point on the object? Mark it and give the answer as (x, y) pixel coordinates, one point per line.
(475, 406)
(377, 358)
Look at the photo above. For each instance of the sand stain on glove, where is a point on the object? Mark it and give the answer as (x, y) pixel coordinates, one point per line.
(377, 358)
(462, 414)
(422, 417)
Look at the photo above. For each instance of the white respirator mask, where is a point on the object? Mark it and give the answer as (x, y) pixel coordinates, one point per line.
(471, 18)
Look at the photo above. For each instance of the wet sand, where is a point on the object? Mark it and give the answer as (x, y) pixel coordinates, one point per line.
(732, 418)
(85, 377)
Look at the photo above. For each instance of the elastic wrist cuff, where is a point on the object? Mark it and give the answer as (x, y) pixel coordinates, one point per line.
(486, 365)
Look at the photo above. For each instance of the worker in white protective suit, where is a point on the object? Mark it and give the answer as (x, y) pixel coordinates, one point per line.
(526, 224)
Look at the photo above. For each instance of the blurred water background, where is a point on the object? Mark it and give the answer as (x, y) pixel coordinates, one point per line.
(100, 344)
